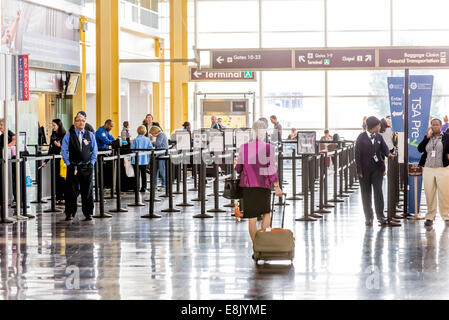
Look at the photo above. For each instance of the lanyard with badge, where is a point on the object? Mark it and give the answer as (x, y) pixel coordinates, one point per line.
(373, 141)
(434, 145)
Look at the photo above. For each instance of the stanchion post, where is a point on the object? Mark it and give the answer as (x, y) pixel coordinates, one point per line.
(100, 162)
(52, 187)
(151, 214)
(39, 180)
(184, 202)
(336, 166)
(312, 164)
(294, 194)
(137, 202)
(118, 186)
(170, 186)
(202, 190)
(305, 188)
(216, 187)
(322, 190)
(326, 185)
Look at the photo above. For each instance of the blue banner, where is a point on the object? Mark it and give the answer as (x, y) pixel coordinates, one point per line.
(20, 77)
(420, 98)
(396, 97)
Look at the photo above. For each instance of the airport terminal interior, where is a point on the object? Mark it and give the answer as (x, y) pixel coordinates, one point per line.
(177, 94)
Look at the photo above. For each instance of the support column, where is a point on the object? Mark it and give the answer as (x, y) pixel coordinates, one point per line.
(108, 80)
(83, 20)
(179, 99)
(159, 87)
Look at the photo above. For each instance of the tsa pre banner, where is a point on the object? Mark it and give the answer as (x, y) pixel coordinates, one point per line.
(420, 98)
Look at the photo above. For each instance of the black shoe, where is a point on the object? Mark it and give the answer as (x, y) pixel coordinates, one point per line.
(69, 218)
(428, 223)
(369, 223)
(143, 190)
(88, 218)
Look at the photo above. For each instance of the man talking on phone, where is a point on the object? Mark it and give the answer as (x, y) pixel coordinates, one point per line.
(79, 152)
(435, 163)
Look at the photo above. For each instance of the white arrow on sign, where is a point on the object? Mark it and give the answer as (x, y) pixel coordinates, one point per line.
(220, 59)
(368, 57)
(302, 59)
(197, 74)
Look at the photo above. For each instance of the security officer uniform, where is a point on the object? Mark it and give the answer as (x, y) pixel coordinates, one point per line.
(79, 151)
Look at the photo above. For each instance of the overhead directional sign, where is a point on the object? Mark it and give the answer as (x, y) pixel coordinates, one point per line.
(339, 58)
(220, 75)
(252, 59)
(414, 57)
(335, 58)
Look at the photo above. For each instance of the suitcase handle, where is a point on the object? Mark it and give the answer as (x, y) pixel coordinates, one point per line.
(284, 200)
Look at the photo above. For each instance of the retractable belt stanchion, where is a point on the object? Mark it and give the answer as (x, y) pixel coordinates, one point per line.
(170, 186)
(168, 181)
(216, 187)
(294, 194)
(281, 201)
(326, 185)
(194, 177)
(323, 188)
(305, 188)
(96, 181)
(39, 180)
(392, 176)
(346, 170)
(232, 172)
(101, 189)
(137, 202)
(24, 190)
(52, 187)
(118, 186)
(341, 175)
(184, 202)
(202, 190)
(335, 162)
(178, 168)
(312, 164)
(151, 214)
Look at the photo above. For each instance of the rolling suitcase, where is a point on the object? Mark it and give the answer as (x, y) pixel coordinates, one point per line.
(274, 243)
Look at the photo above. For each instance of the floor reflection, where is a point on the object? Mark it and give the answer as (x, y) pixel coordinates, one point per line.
(178, 257)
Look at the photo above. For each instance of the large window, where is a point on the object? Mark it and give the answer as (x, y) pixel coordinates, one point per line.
(300, 99)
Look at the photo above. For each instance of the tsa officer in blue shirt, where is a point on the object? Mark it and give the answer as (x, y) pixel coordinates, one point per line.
(79, 152)
(104, 138)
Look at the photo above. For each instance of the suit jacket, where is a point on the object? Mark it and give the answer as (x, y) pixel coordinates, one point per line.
(365, 151)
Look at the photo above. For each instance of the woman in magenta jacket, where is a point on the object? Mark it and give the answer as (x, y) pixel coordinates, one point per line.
(258, 174)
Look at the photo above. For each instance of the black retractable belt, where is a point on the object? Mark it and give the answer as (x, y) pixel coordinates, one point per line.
(294, 194)
(101, 188)
(118, 186)
(137, 202)
(53, 187)
(305, 188)
(151, 214)
(202, 190)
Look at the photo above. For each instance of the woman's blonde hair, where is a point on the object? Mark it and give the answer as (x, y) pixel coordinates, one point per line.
(259, 130)
(155, 130)
(141, 130)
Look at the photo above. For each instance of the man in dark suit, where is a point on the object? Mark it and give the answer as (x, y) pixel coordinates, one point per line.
(370, 151)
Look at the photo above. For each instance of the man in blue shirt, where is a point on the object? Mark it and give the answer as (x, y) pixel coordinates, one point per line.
(104, 138)
(79, 152)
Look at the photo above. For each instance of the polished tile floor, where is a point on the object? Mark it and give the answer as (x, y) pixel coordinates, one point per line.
(178, 257)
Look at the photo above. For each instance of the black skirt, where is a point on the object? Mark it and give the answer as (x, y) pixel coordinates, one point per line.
(256, 202)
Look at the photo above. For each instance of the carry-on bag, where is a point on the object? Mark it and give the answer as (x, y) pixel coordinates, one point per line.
(274, 243)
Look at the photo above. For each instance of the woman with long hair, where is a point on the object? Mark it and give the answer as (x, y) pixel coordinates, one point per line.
(57, 134)
(387, 133)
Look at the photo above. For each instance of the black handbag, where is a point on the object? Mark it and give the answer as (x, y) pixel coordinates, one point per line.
(232, 189)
